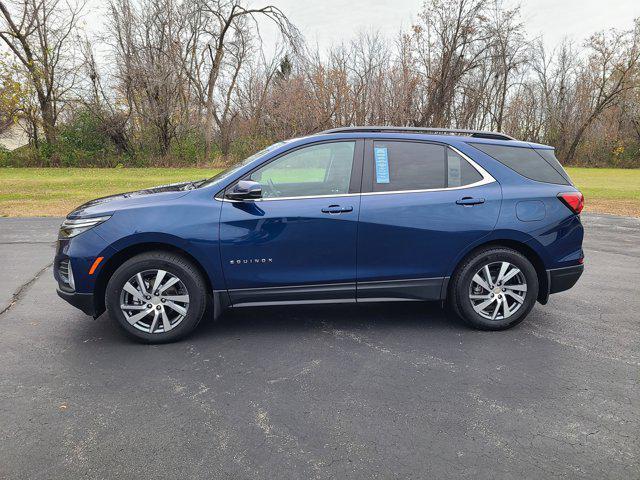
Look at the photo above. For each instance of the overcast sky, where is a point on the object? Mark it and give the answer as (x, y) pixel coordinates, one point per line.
(331, 21)
(326, 22)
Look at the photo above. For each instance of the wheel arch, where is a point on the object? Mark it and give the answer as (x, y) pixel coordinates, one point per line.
(121, 256)
(527, 251)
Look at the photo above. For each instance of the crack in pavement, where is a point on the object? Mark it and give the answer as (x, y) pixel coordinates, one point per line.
(23, 288)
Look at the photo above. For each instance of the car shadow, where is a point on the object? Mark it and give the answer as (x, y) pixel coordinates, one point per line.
(372, 316)
(297, 318)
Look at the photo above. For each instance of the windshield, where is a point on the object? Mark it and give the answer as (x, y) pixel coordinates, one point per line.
(234, 168)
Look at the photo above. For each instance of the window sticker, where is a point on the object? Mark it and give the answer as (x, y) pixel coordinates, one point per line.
(454, 173)
(382, 164)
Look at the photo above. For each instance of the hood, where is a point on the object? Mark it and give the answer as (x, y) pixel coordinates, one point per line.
(121, 201)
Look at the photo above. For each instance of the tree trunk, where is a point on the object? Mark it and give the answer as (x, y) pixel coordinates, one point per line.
(48, 121)
(571, 153)
(208, 124)
(213, 78)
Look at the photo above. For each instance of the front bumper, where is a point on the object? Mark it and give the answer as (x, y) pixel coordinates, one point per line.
(561, 279)
(83, 301)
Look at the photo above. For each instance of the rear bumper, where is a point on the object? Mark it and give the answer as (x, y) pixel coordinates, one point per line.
(83, 301)
(561, 279)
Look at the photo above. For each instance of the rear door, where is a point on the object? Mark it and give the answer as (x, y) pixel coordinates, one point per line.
(298, 242)
(422, 204)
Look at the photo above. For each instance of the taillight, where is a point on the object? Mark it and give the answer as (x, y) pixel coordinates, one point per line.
(573, 200)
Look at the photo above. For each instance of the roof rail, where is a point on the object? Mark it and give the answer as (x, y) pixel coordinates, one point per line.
(432, 131)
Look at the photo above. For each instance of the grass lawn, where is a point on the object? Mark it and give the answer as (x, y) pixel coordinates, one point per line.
(609, 190)
(56, 191)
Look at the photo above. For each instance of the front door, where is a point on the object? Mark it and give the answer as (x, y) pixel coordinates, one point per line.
(422, 204)
(298, 242)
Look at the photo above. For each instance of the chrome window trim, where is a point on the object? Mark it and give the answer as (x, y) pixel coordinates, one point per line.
(445, 189)
(303, 197)
(486, 179)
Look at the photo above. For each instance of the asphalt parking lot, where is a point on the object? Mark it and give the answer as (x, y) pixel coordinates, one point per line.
(372, 391)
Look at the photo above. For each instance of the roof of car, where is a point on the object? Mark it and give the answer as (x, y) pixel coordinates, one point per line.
(441, 134)
(423, 130)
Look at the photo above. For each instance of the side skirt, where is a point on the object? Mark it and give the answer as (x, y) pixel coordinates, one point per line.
(420, 289)
(327, 293)
(417, 289)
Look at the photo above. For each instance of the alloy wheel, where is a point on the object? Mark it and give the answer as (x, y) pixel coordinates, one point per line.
(497, 290)
(154, 301)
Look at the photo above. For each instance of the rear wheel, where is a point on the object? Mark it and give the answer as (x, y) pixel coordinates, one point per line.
(156, 297)
(494, 289)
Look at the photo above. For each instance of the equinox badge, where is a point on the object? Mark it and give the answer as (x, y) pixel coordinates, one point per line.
(251, 260)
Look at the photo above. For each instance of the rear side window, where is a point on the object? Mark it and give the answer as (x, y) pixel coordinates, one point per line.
(551, 159)
(401, 166)
(408, 166)
(527, 162)
(459, 171)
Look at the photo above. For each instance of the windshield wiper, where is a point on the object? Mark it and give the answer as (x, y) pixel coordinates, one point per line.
(195, 184)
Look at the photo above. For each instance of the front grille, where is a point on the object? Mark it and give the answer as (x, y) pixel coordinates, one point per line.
(66, 274)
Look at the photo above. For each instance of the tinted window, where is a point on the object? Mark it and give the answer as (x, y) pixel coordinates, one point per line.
(525, 161)
(233, 169)
(551, 159)
(459, 171)
(323, 169)
(408, 166)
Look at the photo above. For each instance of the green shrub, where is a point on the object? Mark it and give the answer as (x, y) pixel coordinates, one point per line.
(25, 156)
(247, 145)
(614, 154)
(81, 142)
(188, 149)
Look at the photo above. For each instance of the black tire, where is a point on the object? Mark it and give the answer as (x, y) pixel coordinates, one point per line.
(459, 288)
(174, 264)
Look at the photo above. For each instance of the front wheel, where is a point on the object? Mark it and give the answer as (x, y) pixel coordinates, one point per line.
(156, 297)
(494, 289)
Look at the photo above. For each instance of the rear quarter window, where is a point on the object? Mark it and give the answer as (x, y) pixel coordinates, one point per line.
(551, 159)
(528, 162)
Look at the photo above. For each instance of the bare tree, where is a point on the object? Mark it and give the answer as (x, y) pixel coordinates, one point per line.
(507, 53)
(40, 35)
(449, 40)
(114, 121)
(613, 60)
(147, 49)
(183, 76)
(225, 24)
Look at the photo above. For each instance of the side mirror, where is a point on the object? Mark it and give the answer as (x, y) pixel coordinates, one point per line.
(245, 190)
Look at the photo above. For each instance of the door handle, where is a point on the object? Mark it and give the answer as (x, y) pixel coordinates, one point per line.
(333, 209)
(470, 201)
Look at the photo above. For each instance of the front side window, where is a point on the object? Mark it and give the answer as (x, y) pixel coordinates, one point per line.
(322, 169)
(234, 168)
(402, 166)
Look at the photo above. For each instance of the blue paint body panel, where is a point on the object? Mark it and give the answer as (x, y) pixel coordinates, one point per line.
(284, 243)
(419, 235)
(300, 245)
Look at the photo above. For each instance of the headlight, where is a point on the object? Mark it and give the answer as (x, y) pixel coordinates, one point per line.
(71, 228)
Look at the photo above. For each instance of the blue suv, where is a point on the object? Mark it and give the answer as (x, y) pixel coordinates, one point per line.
(478, 220)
